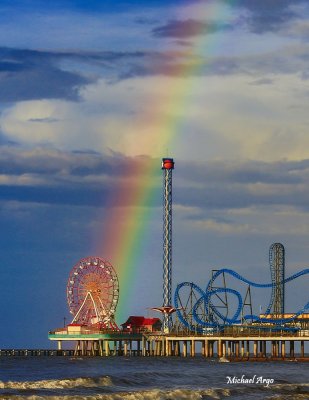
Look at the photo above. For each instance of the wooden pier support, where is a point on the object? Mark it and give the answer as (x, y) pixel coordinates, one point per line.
(229, 348)
(242, 348)
(184, 348)
(203, 348)
(247, 348)
(255, 345)
(224, 348)
(302, 349)
(260, 349)
(283, 349)
(106, 348)
(272, 348)
(144, 346)
(192, 348)
(292, 353)
(233, 346)
(237, 349)
(219, 348)
(211, 348)
(177, 348)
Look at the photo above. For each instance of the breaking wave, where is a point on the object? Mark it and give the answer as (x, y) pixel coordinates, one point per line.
(274, 392)
(157, 394)
(58, 383)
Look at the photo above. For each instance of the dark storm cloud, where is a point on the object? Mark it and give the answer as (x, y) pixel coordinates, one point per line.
(265, 23)
(237, 185)
(40, 84)
(279, 172)
(261, 17)
(287, 61)
(88, 178)
(240, 196)
(262, 81)
(267, 16)
(28, 75)
(48, 162)
(269, 19)
(76, 196)
(5, 141)
(70, 178)
(305, 75)
(182, 29)
(33, 74)
(44, 120)
(178, 63)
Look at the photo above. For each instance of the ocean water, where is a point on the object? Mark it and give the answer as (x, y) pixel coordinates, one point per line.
(138, 378)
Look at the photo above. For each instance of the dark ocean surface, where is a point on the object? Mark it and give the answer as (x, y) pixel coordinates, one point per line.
(138, 378)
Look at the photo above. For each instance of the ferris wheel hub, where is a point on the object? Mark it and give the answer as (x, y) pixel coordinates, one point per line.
(93, 292)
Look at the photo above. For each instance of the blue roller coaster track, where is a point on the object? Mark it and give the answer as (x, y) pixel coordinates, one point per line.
(205, 301)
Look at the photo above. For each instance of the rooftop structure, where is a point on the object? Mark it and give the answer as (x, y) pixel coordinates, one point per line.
(137, 324)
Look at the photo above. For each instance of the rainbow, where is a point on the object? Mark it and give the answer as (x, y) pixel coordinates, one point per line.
(125, 228)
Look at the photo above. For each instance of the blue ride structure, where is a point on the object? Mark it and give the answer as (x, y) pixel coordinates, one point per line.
(211, 315)
(277, 272)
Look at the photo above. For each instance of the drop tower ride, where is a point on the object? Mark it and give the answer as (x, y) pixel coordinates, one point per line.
(167, 167)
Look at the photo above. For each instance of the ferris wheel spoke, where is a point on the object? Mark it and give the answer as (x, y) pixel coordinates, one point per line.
(93, 291)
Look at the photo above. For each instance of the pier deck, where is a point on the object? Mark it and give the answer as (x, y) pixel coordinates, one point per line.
(256, 345)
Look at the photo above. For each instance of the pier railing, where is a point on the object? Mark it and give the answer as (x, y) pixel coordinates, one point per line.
(228, 332)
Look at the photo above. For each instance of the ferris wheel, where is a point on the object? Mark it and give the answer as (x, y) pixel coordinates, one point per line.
(93, 292)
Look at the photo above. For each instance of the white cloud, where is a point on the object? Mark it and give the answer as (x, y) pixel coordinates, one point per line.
(200, 118)
(22, 180)
(270, 221)
(222, 227)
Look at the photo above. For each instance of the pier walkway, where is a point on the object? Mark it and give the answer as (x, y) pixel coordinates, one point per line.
(237, 345)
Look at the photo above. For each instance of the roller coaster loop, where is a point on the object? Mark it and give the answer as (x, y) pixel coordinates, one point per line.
(205, 300)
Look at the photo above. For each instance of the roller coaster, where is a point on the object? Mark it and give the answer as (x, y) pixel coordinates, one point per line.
(197, 312)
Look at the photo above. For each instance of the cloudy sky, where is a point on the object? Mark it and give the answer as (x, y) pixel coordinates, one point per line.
(88, 87)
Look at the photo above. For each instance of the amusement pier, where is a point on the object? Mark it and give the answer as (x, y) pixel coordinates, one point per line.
(216, 321)
(234, 345)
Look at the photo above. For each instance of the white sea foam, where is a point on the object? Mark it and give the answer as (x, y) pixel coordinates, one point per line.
(57, 383)
(295, 396)
(155, 394)
(278, 391)
(289, 391)
(177, 394)
(290, 386)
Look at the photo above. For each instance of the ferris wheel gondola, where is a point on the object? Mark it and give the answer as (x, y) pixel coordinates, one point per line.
(93, 292)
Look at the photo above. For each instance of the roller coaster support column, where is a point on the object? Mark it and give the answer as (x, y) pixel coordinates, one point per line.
(167, 167)
(277, 268)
